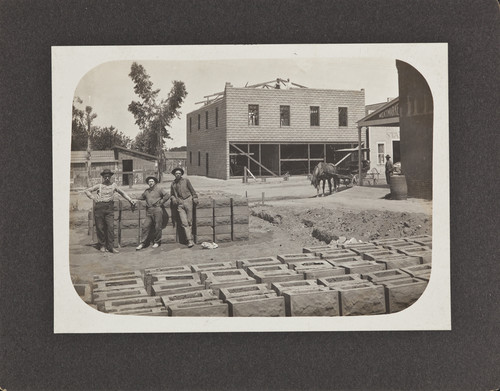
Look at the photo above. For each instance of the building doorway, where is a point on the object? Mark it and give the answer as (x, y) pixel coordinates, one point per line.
(396, 152)
(128, 168)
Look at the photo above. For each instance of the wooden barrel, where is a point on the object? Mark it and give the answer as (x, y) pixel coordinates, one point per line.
(399, 189)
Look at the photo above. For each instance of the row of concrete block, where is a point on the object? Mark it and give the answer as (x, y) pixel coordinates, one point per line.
(362, 263)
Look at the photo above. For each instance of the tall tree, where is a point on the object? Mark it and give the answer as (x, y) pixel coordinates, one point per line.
(78, 131)
(152, 114)
(89, 117)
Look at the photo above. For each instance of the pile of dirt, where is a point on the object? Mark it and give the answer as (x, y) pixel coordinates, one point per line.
(326, 225)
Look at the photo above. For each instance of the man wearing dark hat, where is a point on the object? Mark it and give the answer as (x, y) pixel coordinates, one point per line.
(155, 197)
(389, 168)
(183, 197)
(104, 210)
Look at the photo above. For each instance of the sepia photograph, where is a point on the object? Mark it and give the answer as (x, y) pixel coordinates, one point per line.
(251, 188)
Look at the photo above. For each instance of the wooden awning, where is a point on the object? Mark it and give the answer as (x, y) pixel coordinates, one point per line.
(386, 115)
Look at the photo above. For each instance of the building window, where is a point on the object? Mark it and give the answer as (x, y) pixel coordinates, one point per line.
(314, 112)
(216, 117)
(284, 115)
(199, 158)
(190, 157)
(253, 115)
(380, 153)
(206, 119)
(199, 121)
(190, 124)
(342, 116)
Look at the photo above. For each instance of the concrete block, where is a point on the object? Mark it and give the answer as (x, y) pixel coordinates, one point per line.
(289, 258)
(327, 281)
(416, 271)
(337, 261)
(401, 294)
(252, 271)
(162, 277)
(153, 311)
(175, 287)
(223, 211)
(401, 245)
(168, 239)
(317, 249)
(84, 292)
(129, 215)
(189, 297)
(318, 302)
(205, 308)
(259, 305)
(354, 246)
(337, 253)
(205, 212)
(204, 231)
(419, 237)
(364, 299)
(243, 290)
(239, 228)
(384, 275)
(242, 219)
(202, 267)
(399, 262)
(184, 269)
(424, 277)
(379, 254)
(424, 253)
(124, 293)
(222, 238)
(271, 277)
(241, 210)
(314, 274)
(223, 229)
(99, 286)
(303, 265)
(246, 263)
(225, 274)
(216, 285)
(358, 267)
(382, 242)
(280, 287)
(366, 249)
(132, 303)
(237, 236)
(204, 221)
(427, 243)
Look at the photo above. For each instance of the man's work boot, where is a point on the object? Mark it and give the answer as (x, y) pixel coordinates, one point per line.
(139, 247)
(114, 251)
(190, 243)
(102, 249)
(156, 245)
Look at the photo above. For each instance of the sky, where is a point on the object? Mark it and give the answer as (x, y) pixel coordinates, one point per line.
(109, 90)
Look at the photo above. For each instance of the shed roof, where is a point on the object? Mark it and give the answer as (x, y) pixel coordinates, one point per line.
(96, 156)
(176, 155)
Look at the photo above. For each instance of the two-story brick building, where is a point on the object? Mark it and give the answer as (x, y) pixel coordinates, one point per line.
(271, 128)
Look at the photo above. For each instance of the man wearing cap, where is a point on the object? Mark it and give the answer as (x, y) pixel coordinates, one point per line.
(183, 197)
(155, 197)
(389, 168)
(104, 210)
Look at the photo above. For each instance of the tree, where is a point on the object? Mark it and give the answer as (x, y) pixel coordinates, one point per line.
(106, 138)
(78, 132)
(89, 117)
(178, 149)
(152, 114)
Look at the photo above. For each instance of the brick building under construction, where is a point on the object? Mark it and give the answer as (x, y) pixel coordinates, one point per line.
(272, 128)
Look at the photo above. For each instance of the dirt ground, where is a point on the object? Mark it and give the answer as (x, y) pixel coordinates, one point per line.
(291, 218)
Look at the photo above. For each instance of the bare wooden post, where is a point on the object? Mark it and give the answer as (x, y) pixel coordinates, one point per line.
(263, 194)
(245, 179)
(360, 177)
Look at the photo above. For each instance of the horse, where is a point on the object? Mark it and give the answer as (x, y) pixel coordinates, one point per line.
(325, 172)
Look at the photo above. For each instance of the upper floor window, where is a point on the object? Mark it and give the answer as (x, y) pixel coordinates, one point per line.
(206, 119)
(190, 124)
(314, 113)
(199, 158)
(199, 121)
(190, 157)
(253, 114)
(342, 116)
(216, 117)
(284, 115)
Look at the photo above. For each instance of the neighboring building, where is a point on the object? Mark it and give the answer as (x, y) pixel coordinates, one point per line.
(175, 159)
(272, 128)
(383, 140)
(122, 161)
(413, 113)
